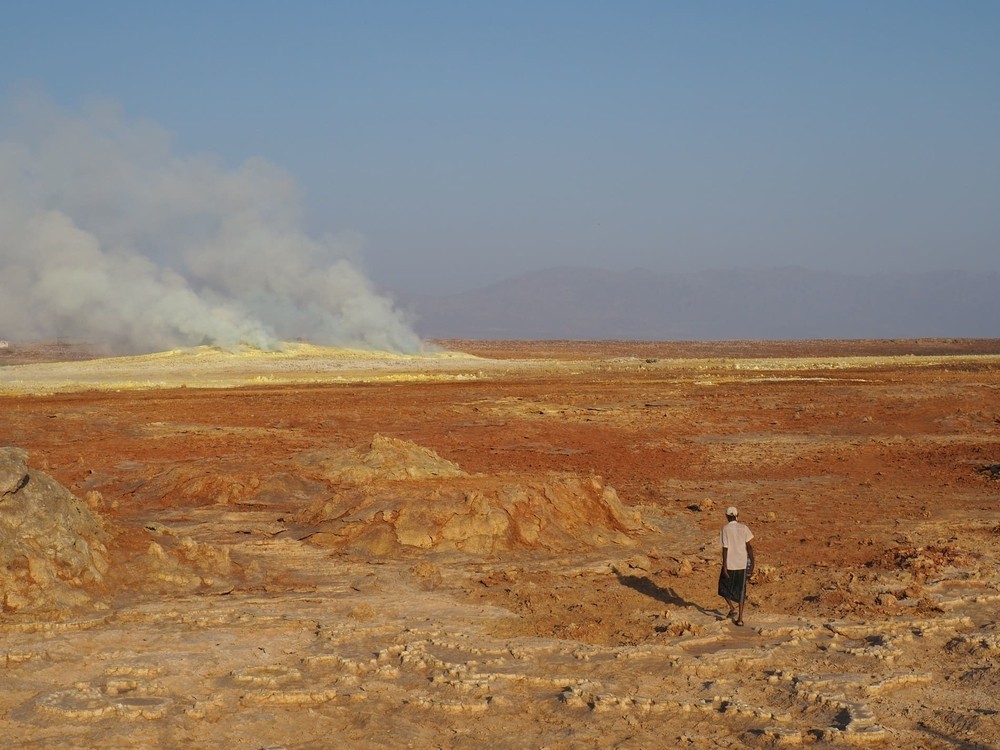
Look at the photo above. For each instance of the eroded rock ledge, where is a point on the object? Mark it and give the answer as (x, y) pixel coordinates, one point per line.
(391, 495)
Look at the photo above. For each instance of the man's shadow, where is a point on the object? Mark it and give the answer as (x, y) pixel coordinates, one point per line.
(645, 585)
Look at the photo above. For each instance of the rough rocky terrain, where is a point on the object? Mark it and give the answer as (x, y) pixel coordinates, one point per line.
(512, 546)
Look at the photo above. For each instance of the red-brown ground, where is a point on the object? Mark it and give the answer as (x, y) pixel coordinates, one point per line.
(861, 467)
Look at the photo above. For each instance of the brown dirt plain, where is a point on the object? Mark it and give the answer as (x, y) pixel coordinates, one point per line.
(511, 545)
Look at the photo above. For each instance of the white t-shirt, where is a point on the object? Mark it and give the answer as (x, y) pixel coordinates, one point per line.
(734, 537)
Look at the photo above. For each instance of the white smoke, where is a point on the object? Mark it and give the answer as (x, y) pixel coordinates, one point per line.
(108, 237)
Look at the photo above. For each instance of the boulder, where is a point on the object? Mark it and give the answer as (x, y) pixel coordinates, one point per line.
(53, 552)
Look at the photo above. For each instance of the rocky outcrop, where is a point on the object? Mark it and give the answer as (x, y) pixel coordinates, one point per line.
(53, 552)
(383, 459)
(391, 496)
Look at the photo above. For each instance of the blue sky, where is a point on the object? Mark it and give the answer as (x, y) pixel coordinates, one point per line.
(465, 142)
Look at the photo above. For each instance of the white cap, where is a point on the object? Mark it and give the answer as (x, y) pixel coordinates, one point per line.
(731, 511)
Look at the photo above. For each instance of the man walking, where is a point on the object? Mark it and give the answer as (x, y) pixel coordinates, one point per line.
(736, 556)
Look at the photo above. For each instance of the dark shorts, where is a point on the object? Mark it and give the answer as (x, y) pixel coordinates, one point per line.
(731, 588)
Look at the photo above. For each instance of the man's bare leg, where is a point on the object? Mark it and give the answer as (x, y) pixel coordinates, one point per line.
(743, 596)
(732, 609)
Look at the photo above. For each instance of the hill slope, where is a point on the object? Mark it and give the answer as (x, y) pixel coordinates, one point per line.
(786, 303)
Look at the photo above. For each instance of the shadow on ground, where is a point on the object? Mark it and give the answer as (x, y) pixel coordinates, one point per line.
(648, 587)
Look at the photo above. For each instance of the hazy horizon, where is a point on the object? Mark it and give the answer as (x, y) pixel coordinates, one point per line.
(444, 146)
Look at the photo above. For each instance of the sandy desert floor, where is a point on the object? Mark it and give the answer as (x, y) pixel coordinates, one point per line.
(514, 544)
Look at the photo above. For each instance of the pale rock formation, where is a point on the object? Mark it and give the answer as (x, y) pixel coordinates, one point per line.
(391, 495)
(385, 459)
(53, 552)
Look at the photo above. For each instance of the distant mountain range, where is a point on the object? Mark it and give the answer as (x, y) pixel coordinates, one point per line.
(783, 303)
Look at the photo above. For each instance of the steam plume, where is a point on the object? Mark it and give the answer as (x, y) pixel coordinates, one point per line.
(107, 236)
